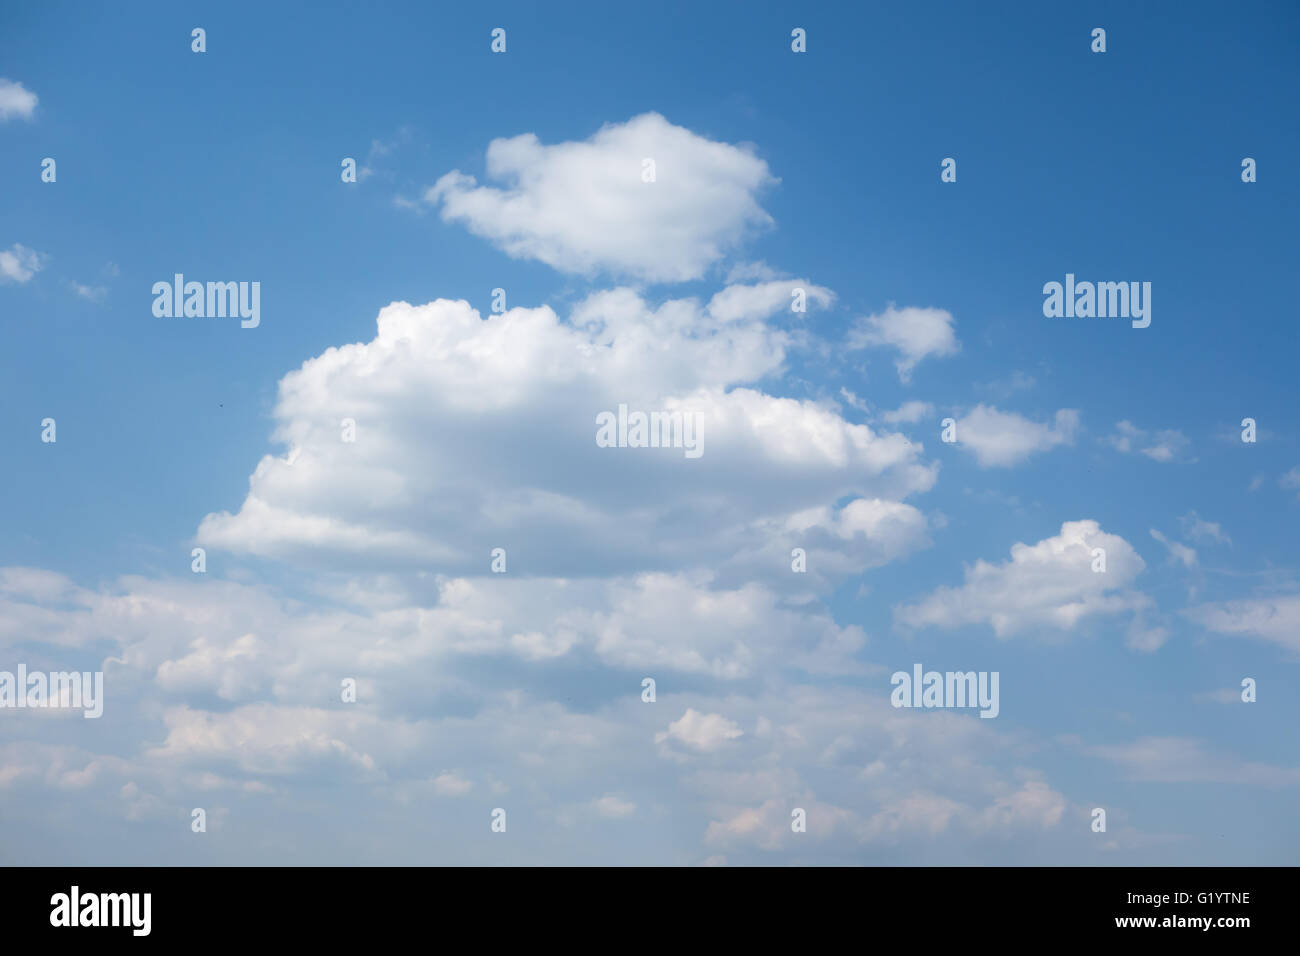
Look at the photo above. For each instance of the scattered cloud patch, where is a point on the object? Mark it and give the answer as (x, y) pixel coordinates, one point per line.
(1275, 619)
(16, 101)
(1177, 551)
(1290, 481)
(915, 333)
(19, 264)
(91, 293)
(1183, 760)
(1162, 446)
(909, 413)
(1199, 530)
(1000, 439)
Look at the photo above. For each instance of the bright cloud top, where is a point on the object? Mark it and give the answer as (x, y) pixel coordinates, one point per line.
(421, 487)
(1053, 584)
(585, 207)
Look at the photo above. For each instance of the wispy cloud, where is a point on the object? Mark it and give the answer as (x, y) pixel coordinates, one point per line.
(16, 101)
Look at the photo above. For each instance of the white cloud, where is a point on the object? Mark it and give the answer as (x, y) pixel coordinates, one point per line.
(381, 149)
(909, 413)
(16, 101)
(854, 401)
(230, 671)
(1005, 388)
(265, 739)
(705, 732)
(1163, 446)
(916, 333)
(864, 533)
(612, 808)
(92, 293)
(421, 489)
(18, 263)
(1183, 760)
(1177, 551)
(1001, 439)
(1049, 585)
(890, 779)
(1167, 446)
(582, 206)
(1275, 619)
(751, 272)
(1198, 530)
(1145, 640)
(451, 785)
(765, 299)
(1225, 695)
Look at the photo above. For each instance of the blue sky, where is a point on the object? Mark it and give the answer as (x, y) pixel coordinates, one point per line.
(775, 170)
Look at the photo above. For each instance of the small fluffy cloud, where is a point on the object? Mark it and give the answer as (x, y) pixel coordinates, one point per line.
(916, 333)
(16, 101)
(1048, 585)
(583, 207)
(704, 732)
(18, 263)
(1000, 439)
